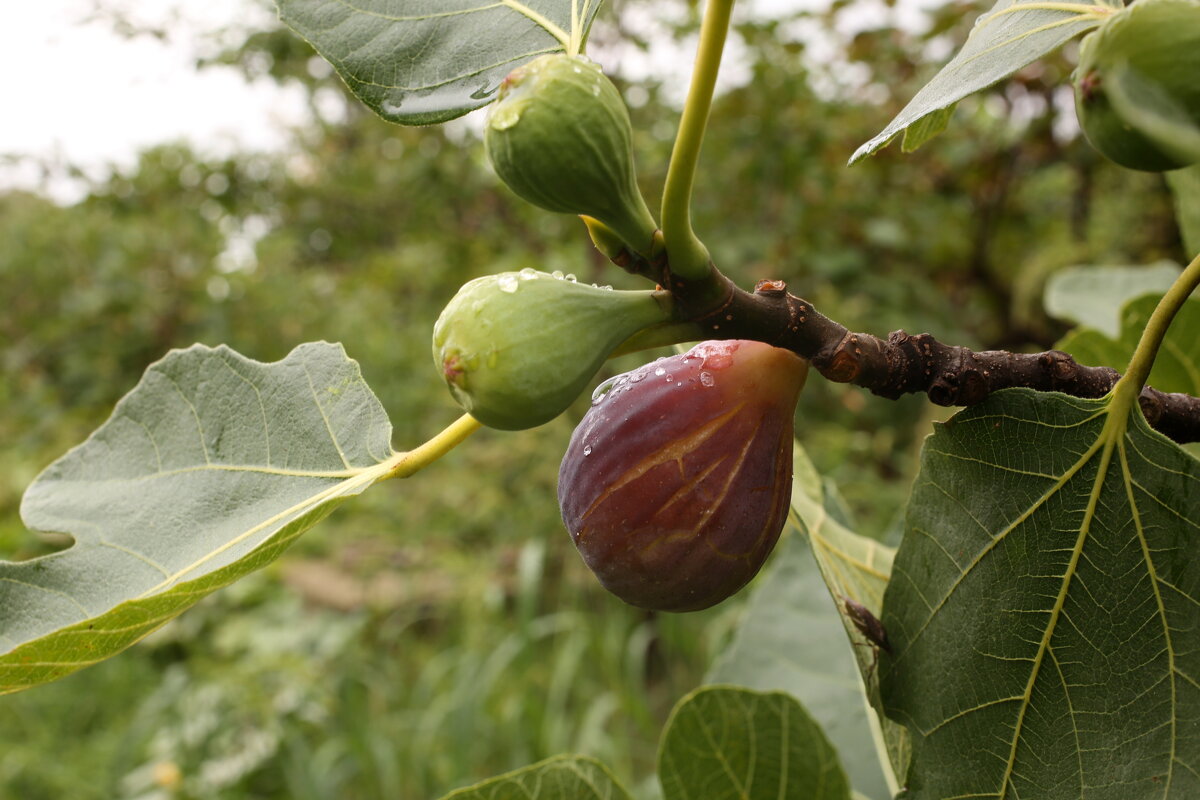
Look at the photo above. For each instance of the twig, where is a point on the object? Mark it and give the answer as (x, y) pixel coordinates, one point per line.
(905, 364)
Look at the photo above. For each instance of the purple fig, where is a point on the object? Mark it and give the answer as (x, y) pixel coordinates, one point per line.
(677, 482)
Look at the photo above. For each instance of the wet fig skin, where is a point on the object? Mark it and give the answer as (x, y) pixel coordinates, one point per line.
(517, 348)
(677, 482)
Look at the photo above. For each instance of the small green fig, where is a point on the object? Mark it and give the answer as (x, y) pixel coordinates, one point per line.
(517, 348)
(1137, 86)
(560, 137)
(677, 482)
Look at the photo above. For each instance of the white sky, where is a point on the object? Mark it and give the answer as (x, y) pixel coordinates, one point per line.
(74, 91)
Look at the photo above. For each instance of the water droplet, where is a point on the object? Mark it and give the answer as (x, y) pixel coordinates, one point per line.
(596, 90)
(715, 355)
(528, 274)
(587, 450)
(505, 117)
(507, 282)
(660, 372)
(636, 377)
(613, 384)
(606, 288)
(570, 278)
(670, 378)
(557, 274)
(706, 378)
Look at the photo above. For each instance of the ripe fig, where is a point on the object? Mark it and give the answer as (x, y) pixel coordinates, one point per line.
(1137, 86)
(677, 482)
(517, 348)
(560, 137)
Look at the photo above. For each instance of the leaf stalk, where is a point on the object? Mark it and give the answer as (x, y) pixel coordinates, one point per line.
(1130, 385)
(402, 465)
(688, 256)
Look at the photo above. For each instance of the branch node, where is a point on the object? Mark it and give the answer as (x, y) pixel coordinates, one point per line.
(771, 288)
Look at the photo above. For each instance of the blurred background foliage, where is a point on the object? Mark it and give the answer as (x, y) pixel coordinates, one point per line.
(441, 630)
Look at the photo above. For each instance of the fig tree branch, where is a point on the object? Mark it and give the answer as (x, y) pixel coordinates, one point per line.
(903, 363)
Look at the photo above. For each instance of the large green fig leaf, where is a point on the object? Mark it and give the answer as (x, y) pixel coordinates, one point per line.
(1043, 606)
(418, 62)
(1094, 295)
(723, 743)
(205, 472)
(1177, 366)
(792, 638)
(1009, 36)
(558, 778)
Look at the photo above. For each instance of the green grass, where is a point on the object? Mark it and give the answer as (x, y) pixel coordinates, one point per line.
(265, 690)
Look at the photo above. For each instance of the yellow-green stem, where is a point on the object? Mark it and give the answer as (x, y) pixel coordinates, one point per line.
(1130, 385)
(688, 256)
(404, 464)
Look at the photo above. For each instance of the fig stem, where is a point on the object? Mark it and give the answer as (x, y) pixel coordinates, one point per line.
(688, 256)
(402, 465)
(1147, 348)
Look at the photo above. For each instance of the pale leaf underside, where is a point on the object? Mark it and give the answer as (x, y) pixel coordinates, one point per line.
(205, 472)
(1012, 34)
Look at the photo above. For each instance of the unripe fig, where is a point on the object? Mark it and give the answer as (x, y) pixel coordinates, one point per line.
(517, 348)
(1137, 86)
(560, 137)
(678, 480)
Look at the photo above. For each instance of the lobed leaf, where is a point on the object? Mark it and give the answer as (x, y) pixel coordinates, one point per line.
(726, 743)
(419, 62)
(206, 471)
(1009, 36)
(1043, 606)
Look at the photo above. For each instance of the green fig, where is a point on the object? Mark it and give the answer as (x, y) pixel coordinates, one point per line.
(1137, 86)
(560, 137)
(677, 482)
(517, 348)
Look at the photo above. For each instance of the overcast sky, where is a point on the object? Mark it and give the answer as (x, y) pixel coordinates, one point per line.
(76, 91)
